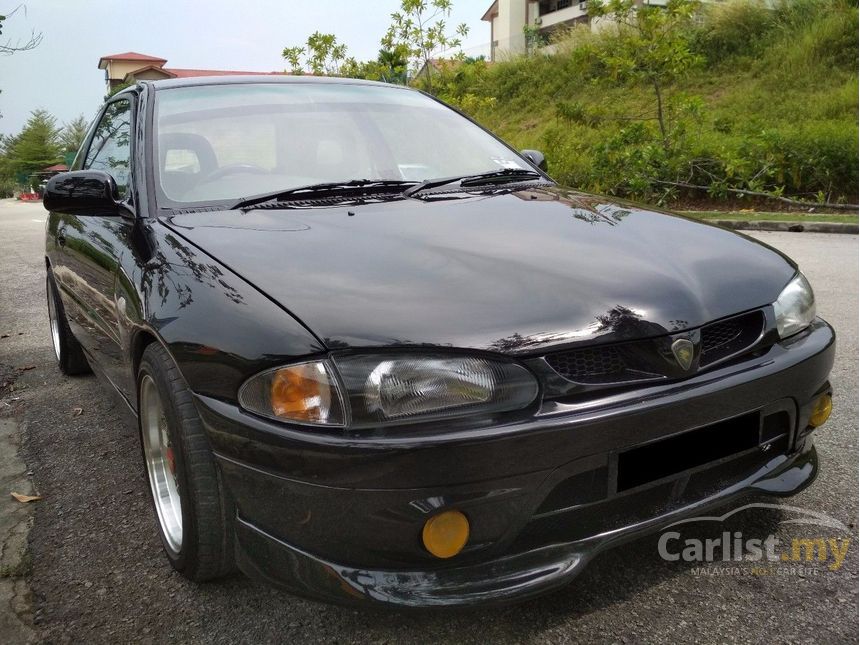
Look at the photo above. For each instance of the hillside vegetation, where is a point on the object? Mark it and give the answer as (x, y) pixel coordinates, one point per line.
(770, 106)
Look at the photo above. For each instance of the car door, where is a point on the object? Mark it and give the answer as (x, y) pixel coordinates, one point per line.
(90, 247)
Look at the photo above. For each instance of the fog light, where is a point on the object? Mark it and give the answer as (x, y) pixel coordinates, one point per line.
(821, 411)
(446, 534)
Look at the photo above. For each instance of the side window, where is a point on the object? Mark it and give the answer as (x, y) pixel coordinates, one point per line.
(110, 149)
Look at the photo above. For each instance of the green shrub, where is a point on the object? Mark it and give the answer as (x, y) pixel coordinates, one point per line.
(775, 108)
(8, 187)
(733, 29)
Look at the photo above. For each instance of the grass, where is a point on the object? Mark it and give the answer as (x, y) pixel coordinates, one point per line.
(774, 107)
(772, 217)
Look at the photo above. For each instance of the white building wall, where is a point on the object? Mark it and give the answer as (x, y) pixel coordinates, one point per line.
(514, 15)
(534, 12)
(512, 19)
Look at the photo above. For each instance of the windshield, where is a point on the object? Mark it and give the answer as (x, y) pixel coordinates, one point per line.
(228, 142)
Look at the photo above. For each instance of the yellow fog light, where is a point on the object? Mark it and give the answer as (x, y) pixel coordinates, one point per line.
(821, 411)
(446, 534)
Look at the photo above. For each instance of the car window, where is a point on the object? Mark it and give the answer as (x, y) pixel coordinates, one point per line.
(252, 139)
(110, 149)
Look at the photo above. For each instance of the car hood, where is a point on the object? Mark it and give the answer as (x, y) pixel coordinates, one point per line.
(516, 272)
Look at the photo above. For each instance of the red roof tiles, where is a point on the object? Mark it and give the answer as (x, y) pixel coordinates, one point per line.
(132, 56)
(189, 73)
(158, 64)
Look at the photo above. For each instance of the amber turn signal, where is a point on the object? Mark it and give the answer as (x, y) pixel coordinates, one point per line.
(446, 534)
(300, 392)
(821, 411)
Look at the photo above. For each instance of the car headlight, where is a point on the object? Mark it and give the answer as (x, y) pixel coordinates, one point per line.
(361, 391)
(795, 307)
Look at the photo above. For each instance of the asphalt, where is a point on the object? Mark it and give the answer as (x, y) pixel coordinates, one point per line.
(97, 573)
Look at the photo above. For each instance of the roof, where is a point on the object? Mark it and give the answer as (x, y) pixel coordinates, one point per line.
(263, 77)
(156, 68)
(492, 11)
(59, 167)
(439, 63)
(433, 62)
(191, 73)
(131, 56)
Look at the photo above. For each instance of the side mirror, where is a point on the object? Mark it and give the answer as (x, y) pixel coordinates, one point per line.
(82, 192)
(536, 157)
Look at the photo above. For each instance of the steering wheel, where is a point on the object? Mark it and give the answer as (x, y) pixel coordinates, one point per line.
(236, 168)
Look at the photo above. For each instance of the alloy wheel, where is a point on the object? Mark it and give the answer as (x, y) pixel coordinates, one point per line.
(54, 319)
(160, 463)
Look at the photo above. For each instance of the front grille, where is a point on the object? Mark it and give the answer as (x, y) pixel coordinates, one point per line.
(584, 365)
(728, 337)
(635, 505)
(584, 488)
(719, 335)
(652, 359)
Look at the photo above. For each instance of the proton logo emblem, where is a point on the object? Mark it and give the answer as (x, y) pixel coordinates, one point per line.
(684, 351)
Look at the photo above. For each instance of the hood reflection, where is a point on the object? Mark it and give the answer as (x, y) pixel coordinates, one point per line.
(617, 324)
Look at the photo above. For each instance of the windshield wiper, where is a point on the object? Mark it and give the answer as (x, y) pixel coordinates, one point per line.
(327, 189)
(490, 178)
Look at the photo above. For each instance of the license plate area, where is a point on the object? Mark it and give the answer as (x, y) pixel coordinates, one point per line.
(667, 457)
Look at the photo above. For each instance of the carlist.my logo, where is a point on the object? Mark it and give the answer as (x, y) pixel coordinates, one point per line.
(733, 553)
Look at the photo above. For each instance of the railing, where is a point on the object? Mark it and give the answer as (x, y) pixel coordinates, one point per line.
(498, 50)
(572, 12)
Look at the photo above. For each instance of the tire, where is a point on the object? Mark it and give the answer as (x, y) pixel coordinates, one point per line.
(69, 353)
(178, 460)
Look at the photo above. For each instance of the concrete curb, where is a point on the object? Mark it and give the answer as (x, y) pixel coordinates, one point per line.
(16, 618)
(793, 227)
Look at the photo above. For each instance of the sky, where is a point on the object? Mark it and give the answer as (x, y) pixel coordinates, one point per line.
(61, 75)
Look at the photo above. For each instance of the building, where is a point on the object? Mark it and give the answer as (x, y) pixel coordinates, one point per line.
(131, 66)
(509, 18)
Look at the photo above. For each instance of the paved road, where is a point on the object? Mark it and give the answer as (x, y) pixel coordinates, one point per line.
(98, 574)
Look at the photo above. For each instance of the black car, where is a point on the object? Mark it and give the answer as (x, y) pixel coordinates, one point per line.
(376, 355)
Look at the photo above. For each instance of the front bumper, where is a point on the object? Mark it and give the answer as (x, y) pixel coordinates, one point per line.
(339, 518)
(510, 578)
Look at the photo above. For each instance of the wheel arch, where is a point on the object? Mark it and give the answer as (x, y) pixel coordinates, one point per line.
(142, 339)
(218, 327)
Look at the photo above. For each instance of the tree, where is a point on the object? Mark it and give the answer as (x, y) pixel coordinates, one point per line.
(37, 146)
(322, 54)
(391, 66)
(73, 133)
(419, 27)
(652, 44)
(9, 46)
(116, 89)
(6, 172)
(461, 82)
(394, 63)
